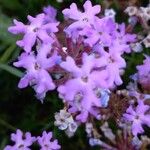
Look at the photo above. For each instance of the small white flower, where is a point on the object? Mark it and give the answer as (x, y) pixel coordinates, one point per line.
(145, 12)
(146, 41)
(64, 120)
(94, 142)
(72, 127)
(131, 11)
(64, 49)
(107, 131)
(110, 13)
(89, 128)
(137, 47)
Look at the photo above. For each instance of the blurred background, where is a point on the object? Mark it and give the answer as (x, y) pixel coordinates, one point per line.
(19, 108)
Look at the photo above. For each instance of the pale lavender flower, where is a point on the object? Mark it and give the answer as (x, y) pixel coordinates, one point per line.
(36, 70)
(36, 29)
(82, 86)
(50, 14)
(107, 33)
(138, 116)
(82, 19)
(113, 63)
(108, 132)
(101, 33)
(131, 11)
(143, 73)
(22, 141)
(46, 142)
(124, 38)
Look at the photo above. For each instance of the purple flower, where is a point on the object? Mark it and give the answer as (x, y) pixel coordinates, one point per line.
(37, 70)
(144, 73)
(36, 29)
(46, 143)
(50, 14)
(113, 64)
(22, 141)
(101, 32)
(82, 19)
(83, 85)
(138, 116)
(124, 38)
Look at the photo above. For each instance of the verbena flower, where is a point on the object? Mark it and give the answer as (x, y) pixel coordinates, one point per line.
(38, 28)
(22, 141)
(82, 19)
(50, 14)
(110, 13)
(64, 120)
(37, 70)
(107, 131)
(143, 74)
(83, 84)
(138, 116)
(46, 143)
(131, 11)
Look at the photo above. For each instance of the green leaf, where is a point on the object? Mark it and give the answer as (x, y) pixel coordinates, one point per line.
(11, 70)
(12, 5)
(5, 36)
(7, 53)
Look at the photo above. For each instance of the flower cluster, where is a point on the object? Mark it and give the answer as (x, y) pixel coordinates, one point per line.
(99, 71)
(85, 69)
(138, 116)
(141, 15)
(24, 141)
(37, 60)
(65, 121)
(91, 72)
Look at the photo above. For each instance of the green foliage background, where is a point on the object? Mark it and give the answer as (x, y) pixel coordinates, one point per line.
(19, 108)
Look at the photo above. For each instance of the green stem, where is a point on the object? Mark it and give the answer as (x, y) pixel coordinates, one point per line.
(11, 70)
(7, 125)
(7, 53)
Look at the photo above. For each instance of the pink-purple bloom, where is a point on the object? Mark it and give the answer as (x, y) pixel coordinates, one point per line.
(22, 141)
(138, 116)
(82, 19)
(46, 143)
(84, 84)
(37, 70)
(38, 28)
(85, 65)
(50, 14)
(143, 73)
